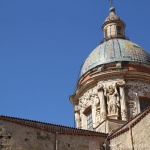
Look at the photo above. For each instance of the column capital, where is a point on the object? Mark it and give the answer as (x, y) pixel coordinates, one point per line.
(121, 84)
(100, 86)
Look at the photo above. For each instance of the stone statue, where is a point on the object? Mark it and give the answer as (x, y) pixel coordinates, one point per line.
(112, 100)
(77, 116)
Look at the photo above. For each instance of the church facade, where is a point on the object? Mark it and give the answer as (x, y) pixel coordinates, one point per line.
(111, 102)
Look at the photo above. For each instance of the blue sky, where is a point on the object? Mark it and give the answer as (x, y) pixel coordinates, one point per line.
(43, 44)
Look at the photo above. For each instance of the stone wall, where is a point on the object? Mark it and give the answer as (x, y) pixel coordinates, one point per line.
(122, 142)
(18, 137)
(137, 138)
(79, 142)
(14, 136)
(141, 134)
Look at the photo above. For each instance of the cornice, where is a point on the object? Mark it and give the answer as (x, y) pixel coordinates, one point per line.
(118, 73)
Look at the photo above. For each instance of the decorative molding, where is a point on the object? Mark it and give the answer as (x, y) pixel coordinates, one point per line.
(135, 90)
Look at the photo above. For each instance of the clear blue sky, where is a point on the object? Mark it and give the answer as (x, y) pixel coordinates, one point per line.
(43, 44)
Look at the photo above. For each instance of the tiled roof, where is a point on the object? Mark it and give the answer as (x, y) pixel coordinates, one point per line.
(130, 124)
(51, 127)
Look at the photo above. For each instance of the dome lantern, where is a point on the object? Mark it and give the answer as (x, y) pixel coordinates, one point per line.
(113, 26)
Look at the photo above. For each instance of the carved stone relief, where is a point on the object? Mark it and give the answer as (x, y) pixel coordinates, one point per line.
(112, 97)
(113, 93)
(107, 99)
(135, 90)
(115, 99)
(89, 98)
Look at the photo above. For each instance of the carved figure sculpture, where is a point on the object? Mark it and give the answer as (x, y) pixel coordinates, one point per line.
(112, 100)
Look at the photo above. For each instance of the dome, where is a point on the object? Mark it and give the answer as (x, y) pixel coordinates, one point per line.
(115, 50)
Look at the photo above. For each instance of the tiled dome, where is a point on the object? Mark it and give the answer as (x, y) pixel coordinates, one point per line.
(115, 50)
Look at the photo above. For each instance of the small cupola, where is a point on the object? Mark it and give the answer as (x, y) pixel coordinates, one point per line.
(113, 26)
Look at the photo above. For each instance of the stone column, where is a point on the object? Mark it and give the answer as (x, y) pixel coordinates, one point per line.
(84, 121)
(122, 101)
(83, 118)
(95, 102)
(94, 115)
(102, 102)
